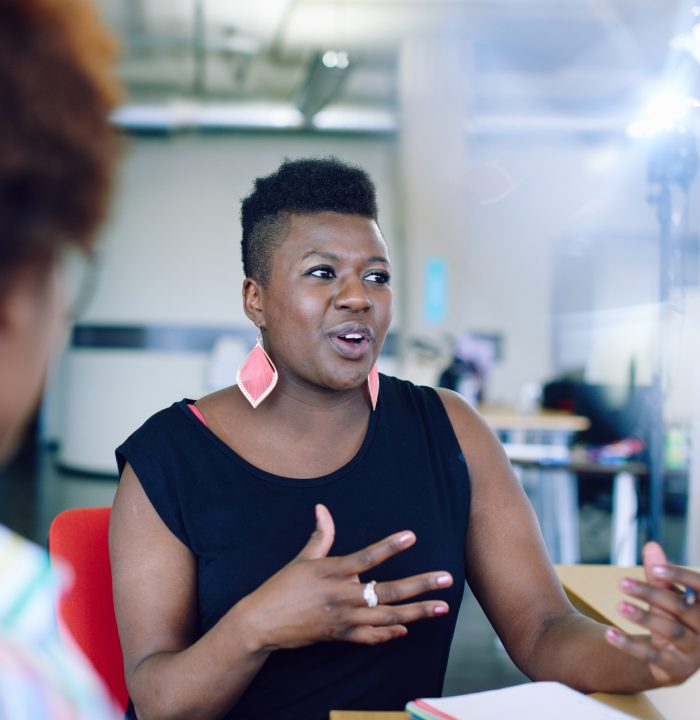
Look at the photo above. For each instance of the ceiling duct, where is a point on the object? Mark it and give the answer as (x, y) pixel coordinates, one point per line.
(326, 75)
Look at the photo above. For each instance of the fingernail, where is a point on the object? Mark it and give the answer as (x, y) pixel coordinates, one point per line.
(444, 580)
(661, 570)
(406, 537)
(613, 635)
(440, 610)
(627, 584)
(626, 608)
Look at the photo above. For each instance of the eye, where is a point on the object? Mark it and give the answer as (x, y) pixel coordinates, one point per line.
(325, 272)
(380, 277)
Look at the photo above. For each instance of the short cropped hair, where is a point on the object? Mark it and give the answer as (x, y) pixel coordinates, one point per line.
(56, 145)
(305, 186)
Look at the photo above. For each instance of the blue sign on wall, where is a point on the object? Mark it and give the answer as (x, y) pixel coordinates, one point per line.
(435, 290)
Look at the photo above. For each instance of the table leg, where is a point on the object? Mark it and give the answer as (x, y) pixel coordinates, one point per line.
(623, 550)
(567, 518)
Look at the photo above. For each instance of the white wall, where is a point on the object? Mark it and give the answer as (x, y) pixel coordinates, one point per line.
(171, 255)
(171, 252)
(564, 188)
(172, 247)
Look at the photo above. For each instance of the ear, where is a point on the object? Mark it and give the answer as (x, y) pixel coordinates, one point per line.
(253, 304)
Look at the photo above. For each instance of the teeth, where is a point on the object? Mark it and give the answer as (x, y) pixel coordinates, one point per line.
(352, 336)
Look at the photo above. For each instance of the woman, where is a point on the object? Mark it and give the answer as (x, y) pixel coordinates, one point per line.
(57, 152)
(227, 608)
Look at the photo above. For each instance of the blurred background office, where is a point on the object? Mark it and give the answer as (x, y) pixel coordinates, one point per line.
(535, 163)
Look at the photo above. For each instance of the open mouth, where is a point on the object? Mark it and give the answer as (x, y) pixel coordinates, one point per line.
(351, 338)
(351, 342)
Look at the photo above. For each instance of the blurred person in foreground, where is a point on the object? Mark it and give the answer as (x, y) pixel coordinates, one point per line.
(228, 609)
(57, 152)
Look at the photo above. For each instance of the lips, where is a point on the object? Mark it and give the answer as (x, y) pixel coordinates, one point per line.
(351, 340)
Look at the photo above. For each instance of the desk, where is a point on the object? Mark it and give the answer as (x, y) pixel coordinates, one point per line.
(625, 478)
(505, 419)
(540, 440)
(594, 589)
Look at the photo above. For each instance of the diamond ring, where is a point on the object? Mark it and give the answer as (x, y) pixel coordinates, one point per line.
(369, 594)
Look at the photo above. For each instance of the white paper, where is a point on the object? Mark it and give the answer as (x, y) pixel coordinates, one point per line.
(531, 701)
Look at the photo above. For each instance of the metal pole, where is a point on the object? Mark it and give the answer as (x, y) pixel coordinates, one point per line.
(674, 161)
(657, 426)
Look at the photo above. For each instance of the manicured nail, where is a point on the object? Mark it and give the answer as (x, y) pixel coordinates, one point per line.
(440, 610)
(661, 570)
(626, 608)
(406, 537)
(613, 635)
(627, 584)
(444, 580)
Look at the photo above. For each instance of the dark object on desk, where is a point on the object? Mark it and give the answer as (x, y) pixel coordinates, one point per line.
(614, 411)
(464, 377)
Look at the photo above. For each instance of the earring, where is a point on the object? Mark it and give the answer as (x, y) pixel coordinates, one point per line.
(257, 376)
(373, 385)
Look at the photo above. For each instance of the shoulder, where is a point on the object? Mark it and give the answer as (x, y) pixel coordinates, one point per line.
(222, 406)
(479, 443)
(473, 434)
(461, 415)
(162, 430)
(458, 409)
(161, 419)
(396, 388)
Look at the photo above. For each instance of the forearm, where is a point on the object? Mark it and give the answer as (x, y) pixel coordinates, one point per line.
(203, 681)
(572, 649)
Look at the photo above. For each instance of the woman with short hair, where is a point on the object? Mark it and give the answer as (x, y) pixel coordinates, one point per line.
(228, 609)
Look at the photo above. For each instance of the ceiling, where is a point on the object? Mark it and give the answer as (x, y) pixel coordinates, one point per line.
(575, 60)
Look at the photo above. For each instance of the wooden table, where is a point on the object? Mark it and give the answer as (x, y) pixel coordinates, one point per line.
(506, 419)
(594, 589)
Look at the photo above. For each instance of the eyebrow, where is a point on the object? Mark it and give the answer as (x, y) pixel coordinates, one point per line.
(332, 256)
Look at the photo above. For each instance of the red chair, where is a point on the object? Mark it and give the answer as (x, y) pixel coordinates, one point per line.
(86, 611)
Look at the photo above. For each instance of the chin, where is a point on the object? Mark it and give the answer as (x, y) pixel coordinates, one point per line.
(349, 381)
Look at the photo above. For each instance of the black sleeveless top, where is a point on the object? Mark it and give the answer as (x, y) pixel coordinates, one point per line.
(244, 524)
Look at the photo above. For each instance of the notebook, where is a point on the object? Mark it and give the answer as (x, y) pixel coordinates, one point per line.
(532, 701)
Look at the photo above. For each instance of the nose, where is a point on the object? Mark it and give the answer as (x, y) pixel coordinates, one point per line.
(353, 296)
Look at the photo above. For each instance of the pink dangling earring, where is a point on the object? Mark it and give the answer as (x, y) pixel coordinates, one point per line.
(257, 376)
(373, 385)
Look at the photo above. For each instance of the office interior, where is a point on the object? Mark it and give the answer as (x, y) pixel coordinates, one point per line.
(535, 164)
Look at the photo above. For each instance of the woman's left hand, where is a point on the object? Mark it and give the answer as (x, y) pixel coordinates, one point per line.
(672, 651)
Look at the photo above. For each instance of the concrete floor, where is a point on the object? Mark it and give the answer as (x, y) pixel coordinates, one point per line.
(32, 491)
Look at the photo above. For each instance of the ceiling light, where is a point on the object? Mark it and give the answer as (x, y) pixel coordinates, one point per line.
(333, 59)
(665, 112)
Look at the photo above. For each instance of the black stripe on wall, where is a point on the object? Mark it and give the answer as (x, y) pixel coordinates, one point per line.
(171, 338)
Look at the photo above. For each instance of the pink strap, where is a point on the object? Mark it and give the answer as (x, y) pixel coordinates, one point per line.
(196, 411)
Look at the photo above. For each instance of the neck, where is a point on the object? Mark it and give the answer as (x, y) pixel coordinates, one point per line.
(291, 398)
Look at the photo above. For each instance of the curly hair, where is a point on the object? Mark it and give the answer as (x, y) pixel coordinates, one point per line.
(305, 186)
(57, 148)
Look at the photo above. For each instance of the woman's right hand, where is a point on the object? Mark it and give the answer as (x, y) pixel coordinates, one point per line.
(318, 598)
